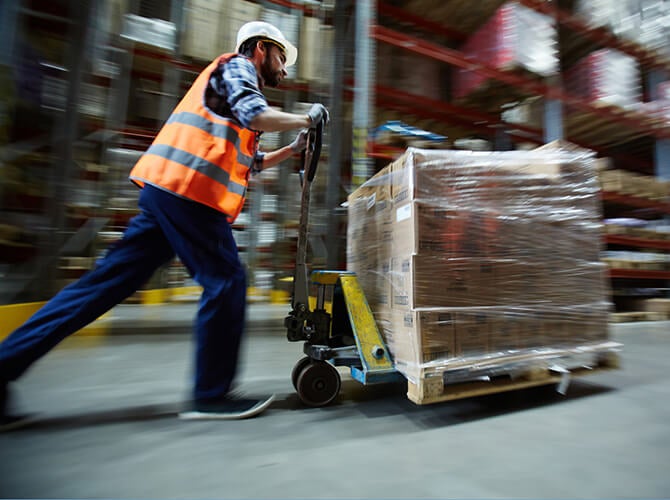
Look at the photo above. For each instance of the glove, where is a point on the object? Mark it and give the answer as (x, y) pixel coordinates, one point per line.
(317, 113)
(300, 141)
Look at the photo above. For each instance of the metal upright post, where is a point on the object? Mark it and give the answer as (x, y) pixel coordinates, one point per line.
(662, 159)
(65, 136)
(661, 146)
(171, 73)
(336, 132)
(553, 120)
(553, 108)
(363, 85)
(9, 13)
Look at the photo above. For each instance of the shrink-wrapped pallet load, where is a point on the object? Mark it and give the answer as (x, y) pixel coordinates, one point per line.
(514, 38)
(606, 76)
(468, 257)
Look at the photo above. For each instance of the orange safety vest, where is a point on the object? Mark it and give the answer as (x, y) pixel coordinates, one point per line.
(200, 155)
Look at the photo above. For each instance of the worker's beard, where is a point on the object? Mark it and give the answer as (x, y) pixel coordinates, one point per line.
(271, 77)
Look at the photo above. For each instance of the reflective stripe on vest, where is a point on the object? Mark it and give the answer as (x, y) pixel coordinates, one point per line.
(198, 164)
(200, 155)
(215, 129)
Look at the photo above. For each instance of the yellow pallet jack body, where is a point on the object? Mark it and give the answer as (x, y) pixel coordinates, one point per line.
(336, 323)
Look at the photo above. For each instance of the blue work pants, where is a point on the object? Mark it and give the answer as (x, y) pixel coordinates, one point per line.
(166, 225)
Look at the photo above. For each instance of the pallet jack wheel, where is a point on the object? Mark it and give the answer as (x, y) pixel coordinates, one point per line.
(318, 383)
(299, 366)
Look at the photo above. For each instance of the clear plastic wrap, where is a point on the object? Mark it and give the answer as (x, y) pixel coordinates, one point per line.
(470, 256)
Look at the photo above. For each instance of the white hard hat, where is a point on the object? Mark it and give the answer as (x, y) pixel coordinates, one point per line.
(266, 30)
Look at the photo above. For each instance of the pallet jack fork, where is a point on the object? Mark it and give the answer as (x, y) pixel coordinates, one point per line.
(339, 330)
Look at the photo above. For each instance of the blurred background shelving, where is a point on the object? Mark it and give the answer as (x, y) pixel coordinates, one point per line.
(86, 86)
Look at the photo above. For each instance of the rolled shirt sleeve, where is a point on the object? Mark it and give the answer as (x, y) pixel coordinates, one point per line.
(240, 89)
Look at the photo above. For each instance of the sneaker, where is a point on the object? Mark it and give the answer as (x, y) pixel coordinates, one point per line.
(10, 422)
(229, 408)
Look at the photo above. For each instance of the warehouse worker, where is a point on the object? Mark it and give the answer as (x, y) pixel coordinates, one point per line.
(193, 181)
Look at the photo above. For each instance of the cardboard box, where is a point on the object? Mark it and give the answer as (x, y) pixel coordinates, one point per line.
(472, 329)
(421, 336)
(425, 229)
(431, 281)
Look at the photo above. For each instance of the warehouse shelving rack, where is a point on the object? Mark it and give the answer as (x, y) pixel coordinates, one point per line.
(630, 138)
(169, 71)
(650, 207)
(257, 255)
(635, 122)
(641, 145)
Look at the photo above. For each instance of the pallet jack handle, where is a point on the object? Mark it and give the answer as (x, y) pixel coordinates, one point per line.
(310, 161)
(313, 150)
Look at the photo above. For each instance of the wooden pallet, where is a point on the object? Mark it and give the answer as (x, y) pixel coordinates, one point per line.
(432, 389)
(633, 264)
(603, 131)
(637, 316)
(628, 317)
(636, 232)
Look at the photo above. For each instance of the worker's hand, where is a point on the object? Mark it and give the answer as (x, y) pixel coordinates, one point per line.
(317, 113)
(300, 142)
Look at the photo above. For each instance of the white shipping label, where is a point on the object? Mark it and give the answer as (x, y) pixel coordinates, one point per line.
(403, 213)
(372, 200)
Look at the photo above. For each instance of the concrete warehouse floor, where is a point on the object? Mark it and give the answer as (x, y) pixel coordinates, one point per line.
(107, 427)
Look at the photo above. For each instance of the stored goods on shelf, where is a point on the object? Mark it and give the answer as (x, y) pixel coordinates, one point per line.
(642, 22)
(288, 24)
(211, 26)
(631, 183)
(202, 38)
(92, 100)
(638, 228)
(529, 112)
(398, 133)
(516, 37)
(606, 76)
(469, 257)
(267, 233)
(663, 91)
(659, 106)
(421, 75)
(627, 259)
(316, 42)
(154, 32)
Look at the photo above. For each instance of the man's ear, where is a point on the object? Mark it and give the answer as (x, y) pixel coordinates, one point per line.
(262, 47)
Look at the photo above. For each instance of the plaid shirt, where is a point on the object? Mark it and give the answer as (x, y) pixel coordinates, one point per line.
(234, 92)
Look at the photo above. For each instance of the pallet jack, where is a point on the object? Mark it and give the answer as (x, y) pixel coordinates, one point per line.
(338, 329)
(336, 325)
